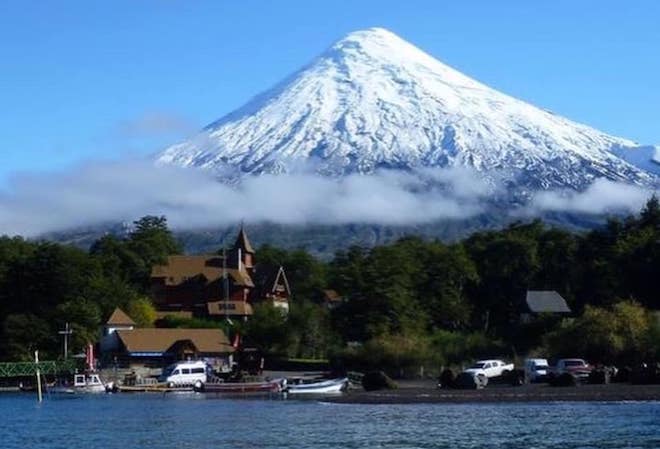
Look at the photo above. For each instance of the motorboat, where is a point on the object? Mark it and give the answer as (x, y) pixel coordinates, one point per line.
(82, 383)
(88, 383)
(330, 386)
(219, 386)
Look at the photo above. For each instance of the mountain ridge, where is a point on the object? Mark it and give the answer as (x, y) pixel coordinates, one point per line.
(372, 100)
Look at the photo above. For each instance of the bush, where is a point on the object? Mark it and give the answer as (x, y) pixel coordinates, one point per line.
(645, 374)
(446, 379)
(142, 311)
(377, 380)
(455, 348)
(404, 355)
(600, 376)
(398, 355)
(469, 381)
(515, 377)
(622, 375)
(621, 334)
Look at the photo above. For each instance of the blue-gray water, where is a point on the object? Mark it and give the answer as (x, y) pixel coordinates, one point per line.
(193, 421)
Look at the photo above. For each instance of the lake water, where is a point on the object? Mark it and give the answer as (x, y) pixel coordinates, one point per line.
(194, 421)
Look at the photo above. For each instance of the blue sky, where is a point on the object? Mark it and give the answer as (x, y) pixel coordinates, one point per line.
(83, 80)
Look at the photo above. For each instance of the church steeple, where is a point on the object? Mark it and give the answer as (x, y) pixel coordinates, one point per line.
(243, 242)
(242, 253)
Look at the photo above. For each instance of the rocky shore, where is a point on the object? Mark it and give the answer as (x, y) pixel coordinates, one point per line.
(426, 392)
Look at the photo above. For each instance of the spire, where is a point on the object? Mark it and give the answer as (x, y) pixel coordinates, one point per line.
(242, 241)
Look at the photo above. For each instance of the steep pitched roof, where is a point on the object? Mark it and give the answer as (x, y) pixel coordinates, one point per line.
(243, 242)
(539, 301)
(270, 279)
(179, 269)
(119, 318)
(154, 340)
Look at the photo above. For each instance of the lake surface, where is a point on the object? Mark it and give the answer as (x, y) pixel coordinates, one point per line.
(194, 421)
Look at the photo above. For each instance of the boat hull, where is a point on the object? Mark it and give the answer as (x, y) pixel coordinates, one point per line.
(92, 389)
(333, 386)
(272, 386)
(152, 388)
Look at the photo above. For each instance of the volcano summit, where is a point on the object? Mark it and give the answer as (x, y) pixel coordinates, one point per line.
(373, 100)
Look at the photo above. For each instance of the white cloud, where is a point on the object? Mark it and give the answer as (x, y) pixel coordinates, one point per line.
(111, 192)
(96, 193)
(601, 197)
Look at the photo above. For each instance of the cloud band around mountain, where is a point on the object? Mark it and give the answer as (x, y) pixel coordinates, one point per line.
(110, 192)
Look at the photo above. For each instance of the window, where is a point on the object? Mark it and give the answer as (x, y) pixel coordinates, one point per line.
(185, 370)
(573, 363)
(198, 370)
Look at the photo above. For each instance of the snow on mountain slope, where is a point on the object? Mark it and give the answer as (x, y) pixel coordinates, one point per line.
(374, 101)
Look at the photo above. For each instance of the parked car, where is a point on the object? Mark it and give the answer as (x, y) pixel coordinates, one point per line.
(577, 367)
(536, 370)
(185, 373)
(490, 368)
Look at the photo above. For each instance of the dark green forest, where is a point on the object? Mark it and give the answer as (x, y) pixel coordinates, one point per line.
(404, 305)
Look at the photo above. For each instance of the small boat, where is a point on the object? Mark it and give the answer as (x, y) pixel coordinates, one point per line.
(82, 383)
(330, 386)
(216, 386)
(88, 383)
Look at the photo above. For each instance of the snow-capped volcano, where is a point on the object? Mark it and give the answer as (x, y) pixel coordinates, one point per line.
(373, 100)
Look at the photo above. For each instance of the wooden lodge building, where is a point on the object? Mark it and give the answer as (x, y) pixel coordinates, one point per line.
(124, 345)
(217, 286)
(211, 286)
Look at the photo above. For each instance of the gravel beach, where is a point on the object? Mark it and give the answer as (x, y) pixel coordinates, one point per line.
(426, 392)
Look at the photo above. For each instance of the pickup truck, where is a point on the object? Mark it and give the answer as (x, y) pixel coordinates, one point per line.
(577, 367)
(490, 368)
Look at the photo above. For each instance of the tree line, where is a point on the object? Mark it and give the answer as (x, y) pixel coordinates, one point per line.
(44, 285)
(415, 302)
(405, 304)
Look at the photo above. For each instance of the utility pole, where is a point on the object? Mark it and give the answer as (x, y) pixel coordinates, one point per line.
(66, 332)
(36, 363)
(225, 285)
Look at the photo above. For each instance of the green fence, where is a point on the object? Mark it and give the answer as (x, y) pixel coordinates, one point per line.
(21, 369)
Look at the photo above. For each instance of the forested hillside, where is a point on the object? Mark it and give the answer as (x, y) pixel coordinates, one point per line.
(404, 304)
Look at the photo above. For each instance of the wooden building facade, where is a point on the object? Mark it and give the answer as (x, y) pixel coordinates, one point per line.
(217, 285)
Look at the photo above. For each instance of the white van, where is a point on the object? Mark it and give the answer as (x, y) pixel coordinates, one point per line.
(185, 373)
(536, 370)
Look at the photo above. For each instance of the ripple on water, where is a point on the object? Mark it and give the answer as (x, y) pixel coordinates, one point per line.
(194, 421)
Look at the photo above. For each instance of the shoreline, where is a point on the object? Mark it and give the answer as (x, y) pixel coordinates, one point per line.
(416, 394)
